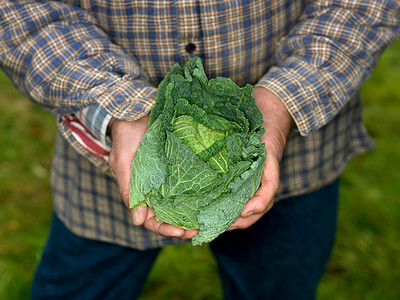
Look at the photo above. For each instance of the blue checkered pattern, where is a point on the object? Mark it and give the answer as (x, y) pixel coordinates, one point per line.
(105, 59)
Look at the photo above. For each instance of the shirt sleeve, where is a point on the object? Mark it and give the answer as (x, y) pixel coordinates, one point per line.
(89, 128)
(56, 55)
(328, 54)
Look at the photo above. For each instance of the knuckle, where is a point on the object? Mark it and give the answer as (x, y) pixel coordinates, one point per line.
(149, 225)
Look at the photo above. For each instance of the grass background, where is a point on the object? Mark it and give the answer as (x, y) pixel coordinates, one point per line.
(366, 260)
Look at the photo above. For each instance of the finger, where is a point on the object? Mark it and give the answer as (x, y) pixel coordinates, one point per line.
(263, 197)
(171, 231)
(245, 222)
(139, 215)
(122, 173)
(124, 177)
(254, 209)
(242, 223)
(124, 191)
(189, 234)
(262, 201)
(126, 138)
(164, 229)
(144, 215)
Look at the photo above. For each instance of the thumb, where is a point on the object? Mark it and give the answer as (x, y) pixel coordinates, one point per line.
(139, 215)
(126, 136)
(120, 168)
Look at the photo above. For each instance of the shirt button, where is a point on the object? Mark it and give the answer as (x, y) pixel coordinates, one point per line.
(190, 47)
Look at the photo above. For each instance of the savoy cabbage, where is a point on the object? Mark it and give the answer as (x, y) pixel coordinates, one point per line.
(201, 158)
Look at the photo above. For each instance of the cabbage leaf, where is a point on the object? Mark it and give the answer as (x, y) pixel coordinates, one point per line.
(201, 158)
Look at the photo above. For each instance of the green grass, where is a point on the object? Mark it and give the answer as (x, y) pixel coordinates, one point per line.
(366, 260)
(27, 135)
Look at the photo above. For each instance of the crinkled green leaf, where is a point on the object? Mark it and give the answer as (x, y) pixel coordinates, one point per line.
(201, 159)
(219, 215)
(148, 171)
(187, 174)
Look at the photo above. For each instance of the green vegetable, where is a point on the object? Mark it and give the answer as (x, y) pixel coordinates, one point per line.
(201, 159)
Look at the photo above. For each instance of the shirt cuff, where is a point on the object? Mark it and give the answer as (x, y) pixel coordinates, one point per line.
(310, 102)
(96, 120)
(86, 130)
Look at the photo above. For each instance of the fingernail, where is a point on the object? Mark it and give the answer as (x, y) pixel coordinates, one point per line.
(249, 213)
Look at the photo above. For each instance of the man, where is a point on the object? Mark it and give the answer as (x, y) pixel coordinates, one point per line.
(95, 65)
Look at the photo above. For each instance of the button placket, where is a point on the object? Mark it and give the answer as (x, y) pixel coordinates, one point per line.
(189, 29)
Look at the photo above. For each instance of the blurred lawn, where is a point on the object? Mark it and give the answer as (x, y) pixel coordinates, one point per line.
(366, 259)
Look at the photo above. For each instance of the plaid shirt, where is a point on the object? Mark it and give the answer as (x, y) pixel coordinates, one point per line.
(87, 61)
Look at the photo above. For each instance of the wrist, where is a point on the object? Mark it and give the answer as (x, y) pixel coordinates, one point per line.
(272, 107)
(114, 124)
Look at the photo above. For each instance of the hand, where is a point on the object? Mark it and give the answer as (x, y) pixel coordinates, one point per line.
(278, 124)
(126, 137)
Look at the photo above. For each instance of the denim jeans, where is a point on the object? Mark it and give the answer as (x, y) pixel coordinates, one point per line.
(282, 256)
